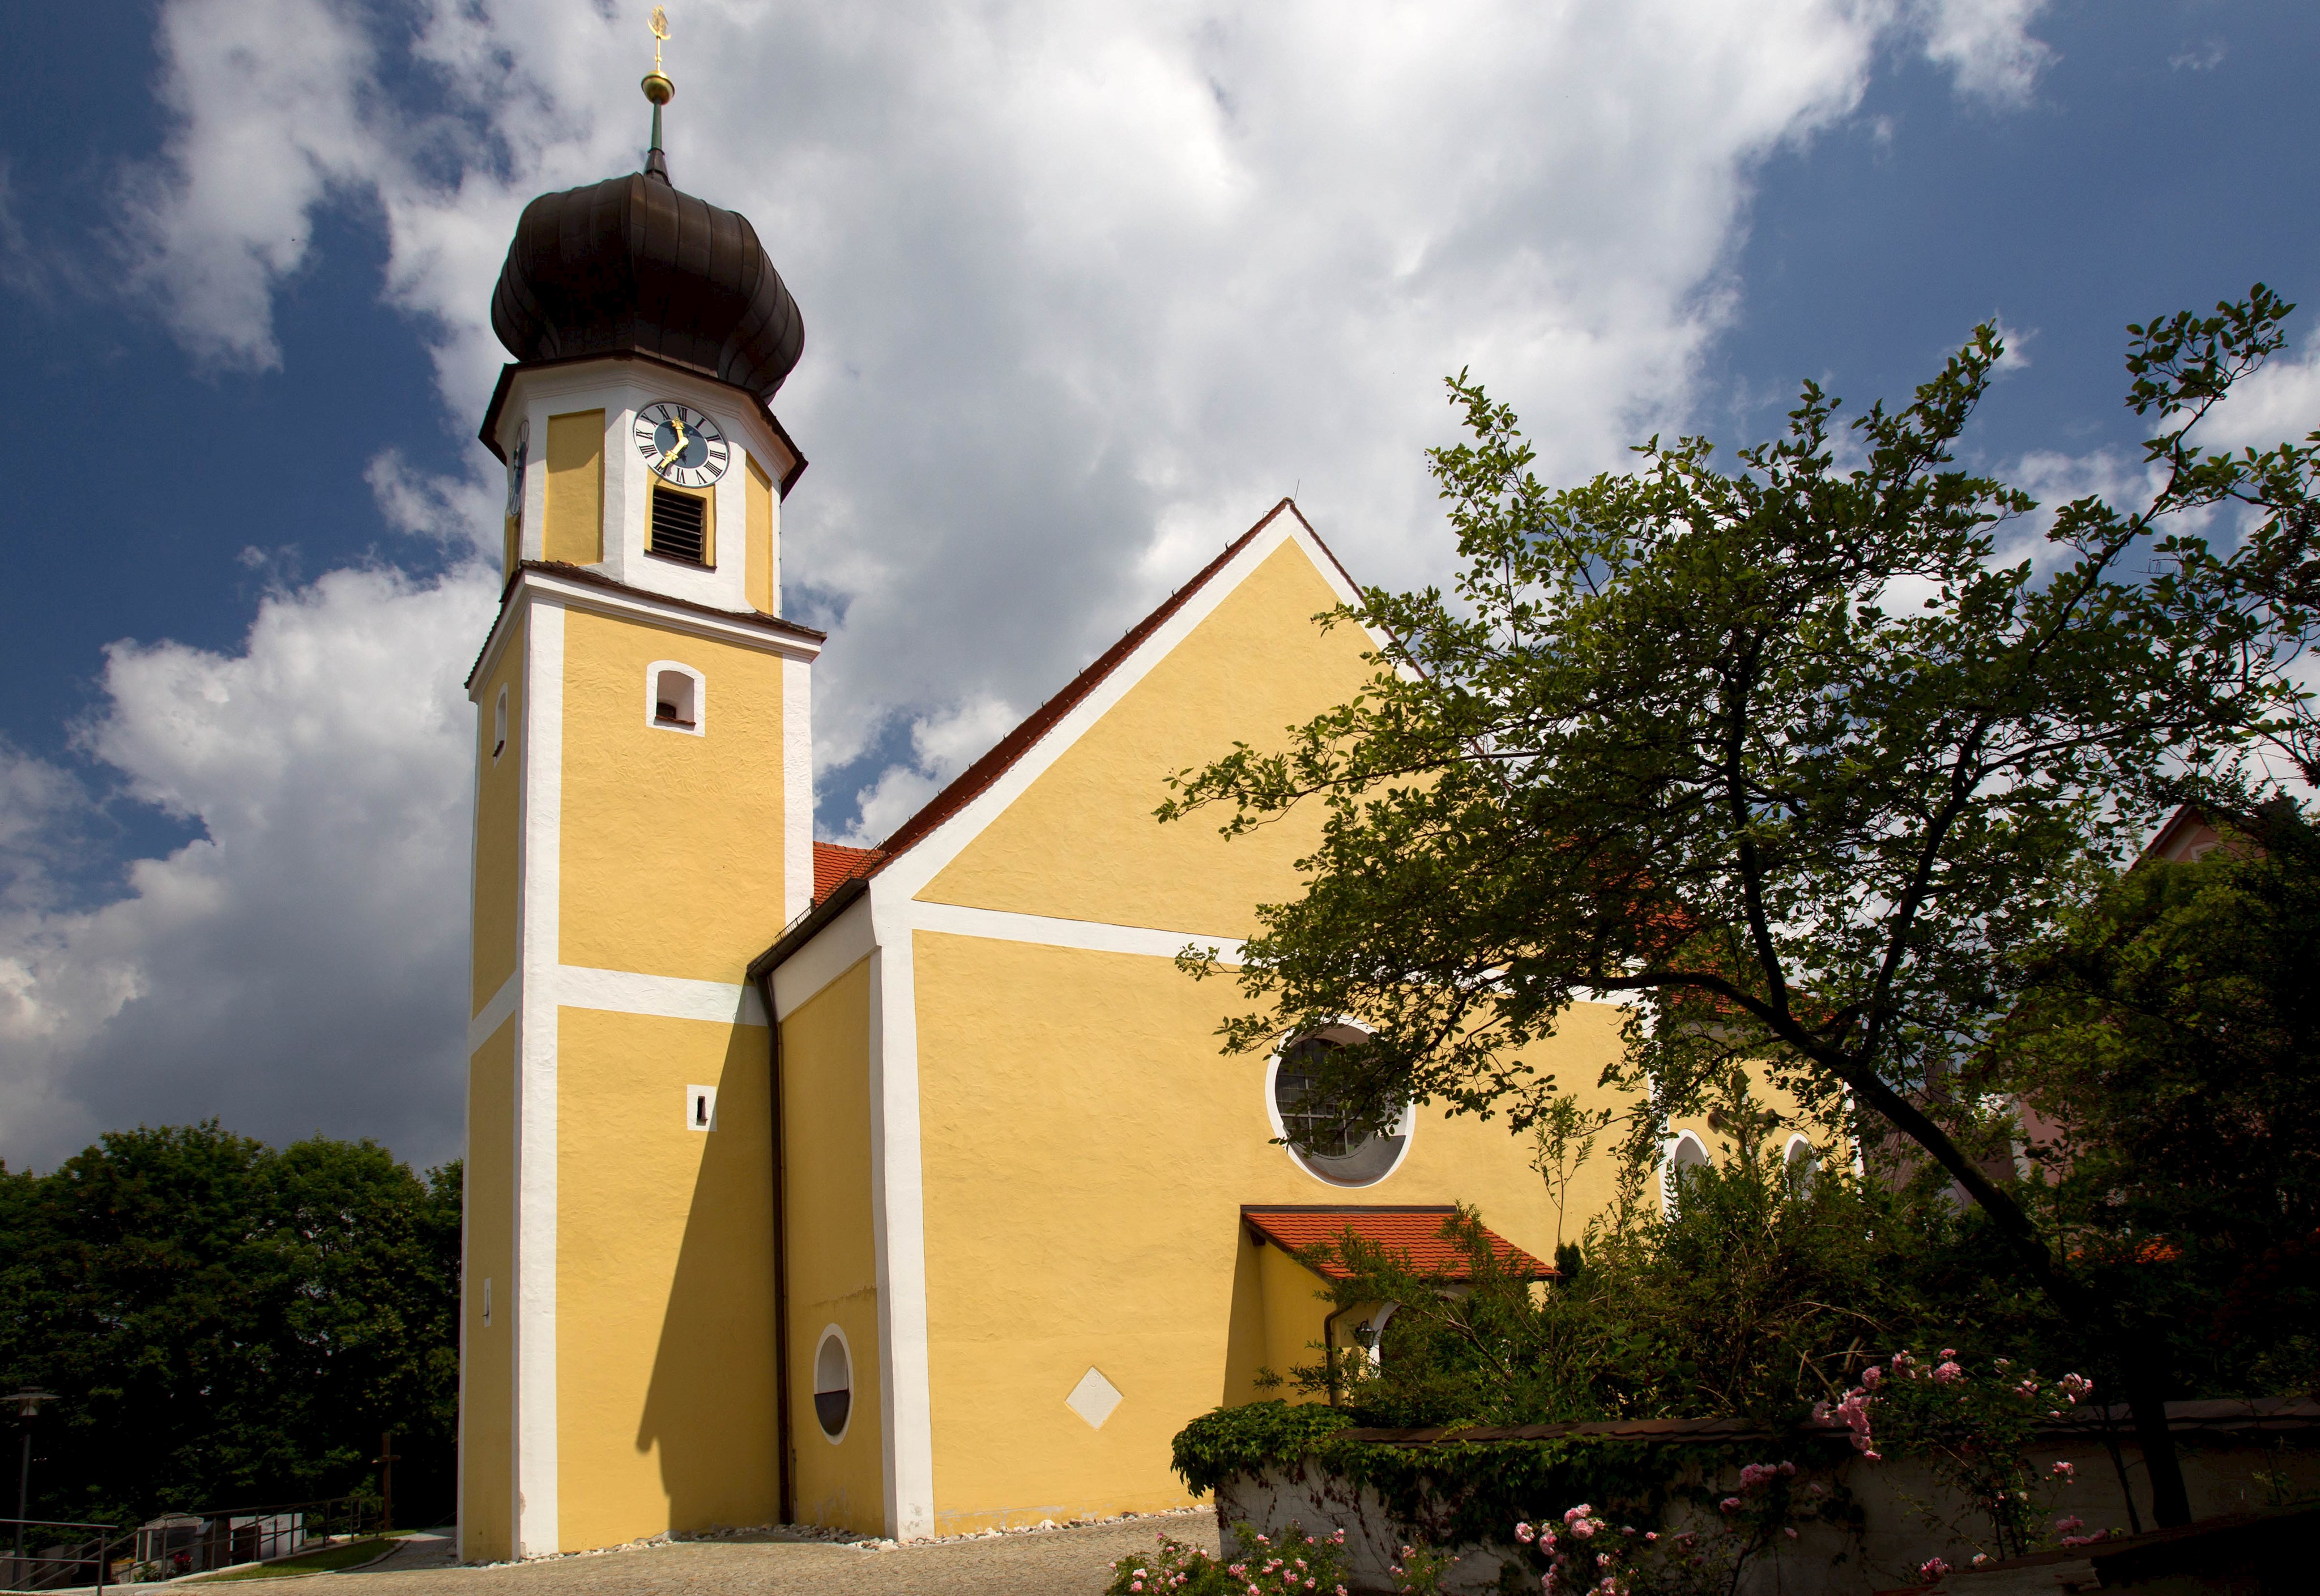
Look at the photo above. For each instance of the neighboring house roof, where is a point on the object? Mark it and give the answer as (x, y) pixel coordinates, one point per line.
(1414, 1231)
(834, 864)
(2187, 836)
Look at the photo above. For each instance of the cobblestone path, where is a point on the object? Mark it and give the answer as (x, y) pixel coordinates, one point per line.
(1052, 1563)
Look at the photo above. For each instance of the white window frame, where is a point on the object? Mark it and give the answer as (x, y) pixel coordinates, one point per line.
(1668, 1167)
(1406, 1128)
(653, 674)
(852, 1376)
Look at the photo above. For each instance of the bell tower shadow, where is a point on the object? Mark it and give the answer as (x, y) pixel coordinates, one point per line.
(709, 1409)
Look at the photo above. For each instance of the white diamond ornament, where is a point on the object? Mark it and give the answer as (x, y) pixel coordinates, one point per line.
(1093, 1398)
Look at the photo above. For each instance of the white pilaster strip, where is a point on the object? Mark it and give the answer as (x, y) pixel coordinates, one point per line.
(663, 997)
(898, 1219)
(494, 1013)
(1095, 936)
(535, 1454)
(840, 945)
(797, 783)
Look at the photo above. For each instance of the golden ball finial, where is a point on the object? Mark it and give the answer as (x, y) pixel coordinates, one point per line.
(658, 89)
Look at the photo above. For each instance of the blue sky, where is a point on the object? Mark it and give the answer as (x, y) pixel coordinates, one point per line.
(1084, 294)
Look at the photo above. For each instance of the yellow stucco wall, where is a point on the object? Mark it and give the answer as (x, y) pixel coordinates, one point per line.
(760, 569)
(1081, 843)
(664, 1319)
(672, 843)
(832, 1258)
(499, 794)
(1086, 1153)
(487, 1409)
(573, 528)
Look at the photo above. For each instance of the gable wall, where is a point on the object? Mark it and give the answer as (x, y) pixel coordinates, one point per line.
(1080, 843)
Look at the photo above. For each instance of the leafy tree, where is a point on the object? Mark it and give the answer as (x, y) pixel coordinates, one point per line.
(229, 1324)
(2171, 1032)
(1794, 757)
(1759, 1293)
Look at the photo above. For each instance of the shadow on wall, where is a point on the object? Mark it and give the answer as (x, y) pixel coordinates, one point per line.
(710, 1406)
(1244, 1339)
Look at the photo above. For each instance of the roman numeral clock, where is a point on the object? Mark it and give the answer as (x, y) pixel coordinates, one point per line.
(681, 445)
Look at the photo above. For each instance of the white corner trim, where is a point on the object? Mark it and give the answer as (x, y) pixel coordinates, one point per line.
(540, 871)
(494, 1013)
(662, 997)
(911, 871)
(898, 1221)
(957, 920)
(797, 783)
(840, 945)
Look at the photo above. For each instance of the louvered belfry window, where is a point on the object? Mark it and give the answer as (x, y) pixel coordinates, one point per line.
(678, 523)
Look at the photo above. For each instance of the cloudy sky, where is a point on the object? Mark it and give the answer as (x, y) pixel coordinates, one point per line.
(1087, 286)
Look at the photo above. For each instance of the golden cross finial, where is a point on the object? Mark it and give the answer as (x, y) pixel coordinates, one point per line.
(660, 32)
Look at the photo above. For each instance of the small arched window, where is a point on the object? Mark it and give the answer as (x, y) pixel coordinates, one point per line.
(1688, 1154)
(1799, 1163)
(675, 697)
(500, 724)
(833, 1383)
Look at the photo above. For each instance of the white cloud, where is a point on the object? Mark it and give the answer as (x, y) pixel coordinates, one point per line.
(2280, 404)
(1086, 289)
(1986, 46)
(269, 100)
(300, 964)
(941, 746)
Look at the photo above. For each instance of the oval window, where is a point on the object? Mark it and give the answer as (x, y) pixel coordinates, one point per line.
(833, 1383)
(1318, 1135)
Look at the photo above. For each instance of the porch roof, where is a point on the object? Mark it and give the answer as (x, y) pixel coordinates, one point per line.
(1413, 1230)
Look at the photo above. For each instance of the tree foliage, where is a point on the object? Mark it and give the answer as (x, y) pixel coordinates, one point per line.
(2169, 1034)
(1798, 758)
(227, 1323)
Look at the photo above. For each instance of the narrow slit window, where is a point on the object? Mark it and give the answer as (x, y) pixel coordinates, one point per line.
(499, 725)
(679, 525)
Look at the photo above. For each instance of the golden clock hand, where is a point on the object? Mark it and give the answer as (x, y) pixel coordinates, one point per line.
(676, 425)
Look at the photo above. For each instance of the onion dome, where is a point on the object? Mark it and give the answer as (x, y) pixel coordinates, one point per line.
(631, 265)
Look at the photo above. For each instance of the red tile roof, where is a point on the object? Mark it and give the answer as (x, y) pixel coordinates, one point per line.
(1414, 1232)
(833, 863)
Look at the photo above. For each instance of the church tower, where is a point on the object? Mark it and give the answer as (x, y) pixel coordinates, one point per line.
(643, 826)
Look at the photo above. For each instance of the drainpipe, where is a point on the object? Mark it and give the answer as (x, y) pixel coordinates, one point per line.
(782, 1426)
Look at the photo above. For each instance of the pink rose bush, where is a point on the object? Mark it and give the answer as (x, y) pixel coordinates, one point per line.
(1975, 1428)
(1294, 1563)
(1589, 1554)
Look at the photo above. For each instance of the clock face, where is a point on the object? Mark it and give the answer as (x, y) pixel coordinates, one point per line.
(516, 463)
(681, 445)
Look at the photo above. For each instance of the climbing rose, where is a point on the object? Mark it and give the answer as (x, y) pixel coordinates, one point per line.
(1932, 1569)
(1872, 1376)
(1730, 1504)
(1943, 1373)
(2064, 1471)
(1525, 1533)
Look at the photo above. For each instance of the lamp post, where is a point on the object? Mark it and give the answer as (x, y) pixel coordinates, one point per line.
(28, 1400)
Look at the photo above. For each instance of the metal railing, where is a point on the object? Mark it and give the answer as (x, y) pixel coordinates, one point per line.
(176, 1544)
(65, 1556)
(44, 1555)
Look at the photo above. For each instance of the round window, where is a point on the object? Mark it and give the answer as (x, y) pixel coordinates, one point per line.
(1317, 1135)
(833, 1383)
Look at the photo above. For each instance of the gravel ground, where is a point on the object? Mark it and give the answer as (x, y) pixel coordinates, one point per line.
(1050, 1563)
